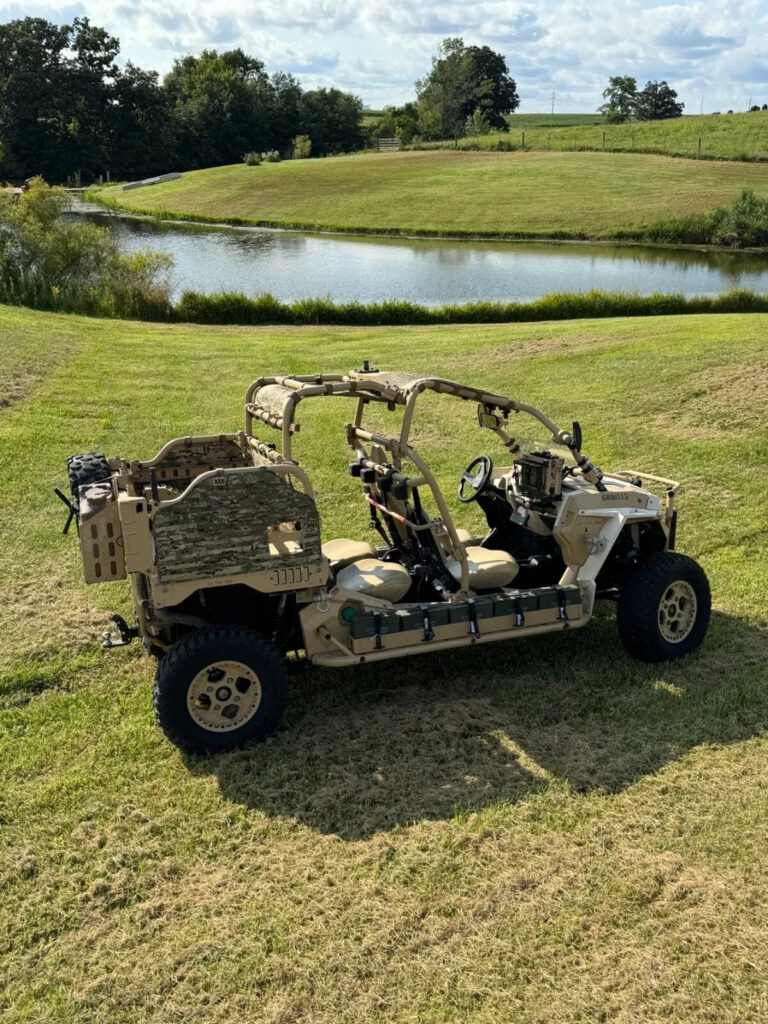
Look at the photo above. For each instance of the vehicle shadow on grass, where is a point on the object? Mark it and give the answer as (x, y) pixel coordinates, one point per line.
(365, 750)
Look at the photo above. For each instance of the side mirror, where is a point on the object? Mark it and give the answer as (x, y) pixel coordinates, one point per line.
(486, 419)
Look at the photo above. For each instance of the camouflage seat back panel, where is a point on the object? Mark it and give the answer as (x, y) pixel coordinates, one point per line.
(223, 525)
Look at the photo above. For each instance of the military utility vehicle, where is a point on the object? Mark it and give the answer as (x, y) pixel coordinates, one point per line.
(220, 537)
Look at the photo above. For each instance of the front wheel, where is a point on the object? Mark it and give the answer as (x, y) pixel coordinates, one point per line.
(664, 607)
(218, 688)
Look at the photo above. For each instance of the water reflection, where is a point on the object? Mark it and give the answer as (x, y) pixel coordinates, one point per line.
(293, 265)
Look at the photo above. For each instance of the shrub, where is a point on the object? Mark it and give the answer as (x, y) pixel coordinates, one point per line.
(252, 159)
(273, 157)
(302, 147)
(477, 123)
(743, 223)
(51, 263)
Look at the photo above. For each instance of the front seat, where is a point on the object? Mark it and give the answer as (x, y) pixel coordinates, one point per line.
(343, 552)
(374, 578)
(487, 569)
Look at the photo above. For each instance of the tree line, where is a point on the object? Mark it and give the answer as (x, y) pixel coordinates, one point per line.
(625, 102)
(67, 107)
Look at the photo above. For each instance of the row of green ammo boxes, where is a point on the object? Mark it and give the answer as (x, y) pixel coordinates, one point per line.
(428, 616)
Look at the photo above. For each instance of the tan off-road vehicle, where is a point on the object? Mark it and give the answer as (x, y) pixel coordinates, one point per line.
(221, 539)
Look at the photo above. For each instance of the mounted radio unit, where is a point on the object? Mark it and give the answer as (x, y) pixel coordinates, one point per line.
(539, 476)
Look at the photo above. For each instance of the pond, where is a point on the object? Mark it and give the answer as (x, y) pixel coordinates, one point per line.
(292, 264)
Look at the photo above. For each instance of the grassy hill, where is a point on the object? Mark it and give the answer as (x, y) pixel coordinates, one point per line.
(546, 832)
(552, 120)
(723, 136)
(524, 194)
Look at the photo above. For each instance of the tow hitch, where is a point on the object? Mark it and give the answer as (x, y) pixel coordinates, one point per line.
(127, 633)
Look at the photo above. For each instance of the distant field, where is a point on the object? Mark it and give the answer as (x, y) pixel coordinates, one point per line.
(723, 136)
(552, 120)
(528, 195)
(371, 117)
(540, 832)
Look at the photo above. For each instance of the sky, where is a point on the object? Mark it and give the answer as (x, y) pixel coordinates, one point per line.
(715, 52)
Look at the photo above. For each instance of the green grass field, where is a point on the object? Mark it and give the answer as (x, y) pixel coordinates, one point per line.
(542, 833)
(552, 120)
(723, 136)
(526, 194)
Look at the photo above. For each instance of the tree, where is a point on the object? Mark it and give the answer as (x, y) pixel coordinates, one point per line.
(286, 110)
(495, 93)
(620, 98)
(462, 80)
(140, 119)
(221, 105)
(447, 92)
(477, 123)
(657, 101)
(33, 114)
(402, 122)
(332, 120)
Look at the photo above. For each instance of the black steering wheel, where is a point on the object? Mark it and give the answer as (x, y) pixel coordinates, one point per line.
(477, 474)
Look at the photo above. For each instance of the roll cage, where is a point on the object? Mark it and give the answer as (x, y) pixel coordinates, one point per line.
(273, 401)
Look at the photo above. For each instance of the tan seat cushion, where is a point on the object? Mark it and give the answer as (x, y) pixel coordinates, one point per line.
(464, 535)
(487, 569)
(387, 580)
(343, 552)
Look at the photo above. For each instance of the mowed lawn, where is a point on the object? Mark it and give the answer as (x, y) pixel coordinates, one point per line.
(541, 832)
(588, 195)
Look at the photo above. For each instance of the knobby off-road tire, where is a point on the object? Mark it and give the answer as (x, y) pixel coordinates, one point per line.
(91, 468)
(664, 607)
(218, 688)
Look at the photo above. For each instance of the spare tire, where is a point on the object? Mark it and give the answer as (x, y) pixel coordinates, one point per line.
(91, 468)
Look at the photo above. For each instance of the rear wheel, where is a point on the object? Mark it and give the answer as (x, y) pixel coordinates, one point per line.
(218, 688)
(664, 607)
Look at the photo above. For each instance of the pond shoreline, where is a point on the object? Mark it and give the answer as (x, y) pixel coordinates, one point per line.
(560, 238)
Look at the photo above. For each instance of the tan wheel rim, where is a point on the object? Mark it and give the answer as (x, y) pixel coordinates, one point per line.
(224, 696)
(677, 611)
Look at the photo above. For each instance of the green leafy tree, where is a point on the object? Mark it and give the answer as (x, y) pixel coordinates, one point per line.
(462, 80)
(140, 121)
(620, 99)
(447, 92)
(286, 110)
(33, 104)
(332, 120)
(495, 92)
(302, 147)
(656, 102)
(221, 106)
(401, 122)
(477, 123)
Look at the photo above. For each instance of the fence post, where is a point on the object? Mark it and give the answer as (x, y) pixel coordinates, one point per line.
(603, 140)
(523, 141)
(107, 177)
(699, 151)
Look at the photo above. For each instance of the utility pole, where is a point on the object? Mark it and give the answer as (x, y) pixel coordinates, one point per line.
(553, 101)
(749, 105)
(702, 105)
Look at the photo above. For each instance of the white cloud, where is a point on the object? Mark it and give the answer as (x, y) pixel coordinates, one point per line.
(378, 48)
